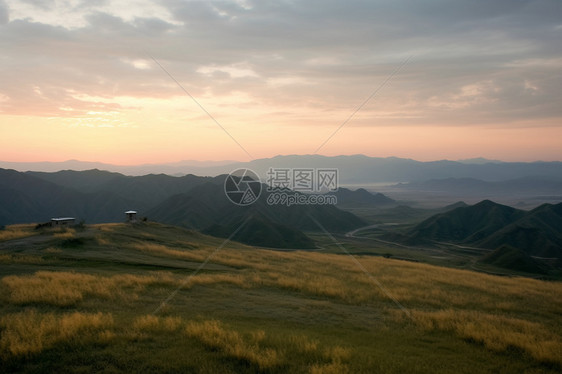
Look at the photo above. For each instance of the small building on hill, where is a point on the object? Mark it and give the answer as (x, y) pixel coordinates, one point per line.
(131, 216)
(63, 221)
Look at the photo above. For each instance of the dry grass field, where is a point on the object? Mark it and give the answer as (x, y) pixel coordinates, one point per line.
(93, 300)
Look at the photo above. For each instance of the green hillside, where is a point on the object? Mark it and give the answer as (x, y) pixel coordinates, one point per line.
(491, 225)
(538, 233)
(157, 298)
(511, 258)
(261, 231)
(466, 224)
(207, 205)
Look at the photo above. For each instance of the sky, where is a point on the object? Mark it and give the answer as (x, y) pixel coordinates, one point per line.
(132, 82)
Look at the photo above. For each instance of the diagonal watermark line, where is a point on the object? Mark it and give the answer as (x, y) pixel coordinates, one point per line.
(200, 106)
(365, 102)
(375, 280)
(203, 264)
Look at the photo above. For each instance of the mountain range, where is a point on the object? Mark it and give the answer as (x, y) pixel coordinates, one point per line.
(537, 232)
(200, 203)
(352, 169)
(189, 201)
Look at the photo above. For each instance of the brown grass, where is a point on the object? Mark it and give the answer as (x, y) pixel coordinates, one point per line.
(52, 250)
(20, 259)
(31, 332)
(232, 344)
(500, 313)
(337, 357)
(238, 280)
(257, 348)
(496, 332)
(16, 232)
(66, 233)
(152, 323)
(68, 288)
(159, 249)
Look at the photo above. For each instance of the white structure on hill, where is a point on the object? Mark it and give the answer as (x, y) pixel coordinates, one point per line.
(131, 216)
(63, 221)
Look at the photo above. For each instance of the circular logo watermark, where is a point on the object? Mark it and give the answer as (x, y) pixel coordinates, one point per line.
(242, 187)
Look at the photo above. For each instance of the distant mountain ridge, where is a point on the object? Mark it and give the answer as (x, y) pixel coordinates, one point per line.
(25, 198)
(173, 168)
(352, 169)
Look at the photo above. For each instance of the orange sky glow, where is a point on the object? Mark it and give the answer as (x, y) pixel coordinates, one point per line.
(79, 82)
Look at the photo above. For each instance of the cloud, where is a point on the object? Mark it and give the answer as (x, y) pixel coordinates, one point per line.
(42, 4)
(473, 62)
(4, 13)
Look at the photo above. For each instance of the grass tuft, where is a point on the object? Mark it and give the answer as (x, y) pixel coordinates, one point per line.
(248, 349)
(495, 332)
(31, 332)
(67, 288)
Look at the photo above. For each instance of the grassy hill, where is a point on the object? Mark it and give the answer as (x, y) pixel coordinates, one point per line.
(207, 205)
(466, 224)
(491, 225)
(538, 233)
(511, 258)
(157, 298)
(263, 232)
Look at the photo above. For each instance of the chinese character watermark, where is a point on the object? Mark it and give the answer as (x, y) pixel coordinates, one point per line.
(311, 180)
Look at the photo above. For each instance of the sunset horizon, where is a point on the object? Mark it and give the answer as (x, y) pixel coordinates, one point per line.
(241, 160)
(159, 82)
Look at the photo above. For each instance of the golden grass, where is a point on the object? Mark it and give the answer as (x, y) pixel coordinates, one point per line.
(244, 348)
(66, 233)
(496, 332)
(413, 284)
(52, 250)
(187, 250)
(16, 232)
(478, 307)
(500, 313)
(20, 259)
(331, 368)
(257, 348)
(152, 323)
(337, 276)
(68, 288)
(303, 344)
(167, 251)
(238, 280)
(338, 356)
(31, 332)
(106, 227)
(101, 240)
